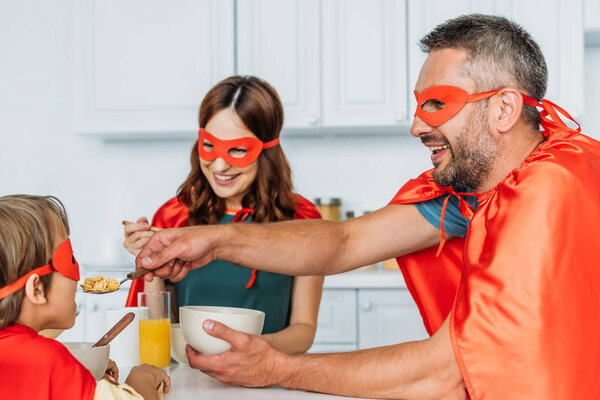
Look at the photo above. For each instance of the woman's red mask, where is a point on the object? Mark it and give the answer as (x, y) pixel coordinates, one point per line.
(238, 153)
(62, 262)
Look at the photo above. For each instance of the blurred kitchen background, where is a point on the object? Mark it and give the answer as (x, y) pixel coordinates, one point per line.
(98, 98)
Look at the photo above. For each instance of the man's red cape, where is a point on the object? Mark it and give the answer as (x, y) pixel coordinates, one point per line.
(523, 287)
(173, 214)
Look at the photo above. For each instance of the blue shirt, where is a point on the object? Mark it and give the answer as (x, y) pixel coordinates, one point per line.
(454, 222)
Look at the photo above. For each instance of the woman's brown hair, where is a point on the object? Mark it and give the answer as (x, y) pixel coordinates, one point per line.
(29, 229)
(258, 106)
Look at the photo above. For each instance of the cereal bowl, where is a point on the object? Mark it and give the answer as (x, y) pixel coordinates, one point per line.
(241, 319)
(178, 345)
(95, 359)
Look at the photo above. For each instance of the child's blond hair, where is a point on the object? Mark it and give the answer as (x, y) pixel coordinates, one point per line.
(29, 229)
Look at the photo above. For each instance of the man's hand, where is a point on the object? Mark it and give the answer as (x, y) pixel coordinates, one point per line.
(250, 362)
(171, 253)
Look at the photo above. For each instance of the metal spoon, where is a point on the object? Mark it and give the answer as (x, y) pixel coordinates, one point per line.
(138, 273)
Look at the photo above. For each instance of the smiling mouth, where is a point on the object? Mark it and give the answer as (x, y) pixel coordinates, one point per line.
(436, 149)
(224, 179)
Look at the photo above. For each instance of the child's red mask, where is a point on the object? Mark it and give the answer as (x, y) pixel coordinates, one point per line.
(62, 262)
(438, 104)
(238, 153)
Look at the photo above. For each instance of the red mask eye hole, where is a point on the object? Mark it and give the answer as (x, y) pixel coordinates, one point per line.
(238, 152)
(73, 260)
(433, 105)
(207, 146)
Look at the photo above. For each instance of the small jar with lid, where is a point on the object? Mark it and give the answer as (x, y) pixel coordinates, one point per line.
(331, 210)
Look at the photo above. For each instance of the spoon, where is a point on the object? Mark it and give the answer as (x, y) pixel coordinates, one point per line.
(138, 273)
(115, 330)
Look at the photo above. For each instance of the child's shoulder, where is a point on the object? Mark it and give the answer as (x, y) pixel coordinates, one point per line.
(22, 339)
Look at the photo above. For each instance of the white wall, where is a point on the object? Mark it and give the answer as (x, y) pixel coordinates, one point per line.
(102, 183)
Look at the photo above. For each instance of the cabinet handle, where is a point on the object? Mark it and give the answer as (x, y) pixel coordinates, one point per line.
(313, 120)
(95, 308)
(365, 305)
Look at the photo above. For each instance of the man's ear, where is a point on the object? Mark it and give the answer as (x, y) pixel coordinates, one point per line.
(35, 290)
(507, 105)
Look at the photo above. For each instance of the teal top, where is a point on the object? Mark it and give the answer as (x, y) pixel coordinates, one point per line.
(221, 283)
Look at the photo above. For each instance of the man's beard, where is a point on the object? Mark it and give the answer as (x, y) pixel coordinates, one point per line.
(473, 155)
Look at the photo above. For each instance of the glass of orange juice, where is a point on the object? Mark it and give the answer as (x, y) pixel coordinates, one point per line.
(155, 329)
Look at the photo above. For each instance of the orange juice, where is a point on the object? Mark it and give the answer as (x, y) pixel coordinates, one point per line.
(155, 342)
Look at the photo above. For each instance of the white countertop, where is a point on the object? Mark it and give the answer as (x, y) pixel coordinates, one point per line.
(188, 383)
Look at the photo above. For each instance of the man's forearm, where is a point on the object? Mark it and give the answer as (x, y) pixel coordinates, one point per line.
(415, 370)
(307, 247)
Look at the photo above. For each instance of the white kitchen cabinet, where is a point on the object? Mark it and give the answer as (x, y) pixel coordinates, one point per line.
(388, 317)
(279, 41)
(364, 63)
(143, 66)
(362, 310)
(336, 326)
(556, 25)
(591, 15)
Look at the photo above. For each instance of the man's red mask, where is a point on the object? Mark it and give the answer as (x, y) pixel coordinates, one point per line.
(438, 104)
(238, 153)
(62, 262)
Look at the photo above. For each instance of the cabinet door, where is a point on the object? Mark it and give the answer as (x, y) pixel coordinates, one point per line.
(364, 63)
(143, 66)
(278, 41)
(591, 14)
(337, 317)
(387, 317)
(556, 25)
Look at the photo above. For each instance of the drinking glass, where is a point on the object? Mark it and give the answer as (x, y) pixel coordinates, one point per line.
(155, 329)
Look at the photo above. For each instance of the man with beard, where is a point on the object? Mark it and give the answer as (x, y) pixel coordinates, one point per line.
(509, 306)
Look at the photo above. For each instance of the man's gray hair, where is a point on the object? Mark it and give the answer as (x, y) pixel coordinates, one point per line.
(500, 53)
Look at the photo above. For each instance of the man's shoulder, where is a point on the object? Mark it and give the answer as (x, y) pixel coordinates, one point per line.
(564, 166)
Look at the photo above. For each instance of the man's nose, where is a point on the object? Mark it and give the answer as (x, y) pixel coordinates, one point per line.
(420, 127)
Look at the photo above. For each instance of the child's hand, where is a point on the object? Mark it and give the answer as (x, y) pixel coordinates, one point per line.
(146, 379)
(112, 370)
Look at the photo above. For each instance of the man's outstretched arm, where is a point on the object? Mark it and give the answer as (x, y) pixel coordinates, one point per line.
(421, 370)
(306, 247)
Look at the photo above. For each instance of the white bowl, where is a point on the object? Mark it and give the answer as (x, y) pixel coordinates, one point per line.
(241, 319)
(95, 359)
(178, 345)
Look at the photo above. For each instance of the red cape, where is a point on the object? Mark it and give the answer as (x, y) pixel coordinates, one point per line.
(523, 322)
(35, 367)
(173, 214)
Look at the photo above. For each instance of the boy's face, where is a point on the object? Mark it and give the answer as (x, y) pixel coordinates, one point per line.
(61, 301)
(61, 297)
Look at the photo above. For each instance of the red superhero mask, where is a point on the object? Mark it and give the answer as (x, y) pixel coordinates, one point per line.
(237, 152)
(438, 104)
(62, 262)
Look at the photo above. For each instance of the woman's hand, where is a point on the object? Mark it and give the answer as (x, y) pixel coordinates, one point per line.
(137, 235)
(251, 361)
(112, 370)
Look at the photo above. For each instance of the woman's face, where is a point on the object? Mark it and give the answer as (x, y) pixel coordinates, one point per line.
(228, 182)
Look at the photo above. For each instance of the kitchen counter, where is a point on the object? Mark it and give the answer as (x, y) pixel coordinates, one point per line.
(188, 383)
